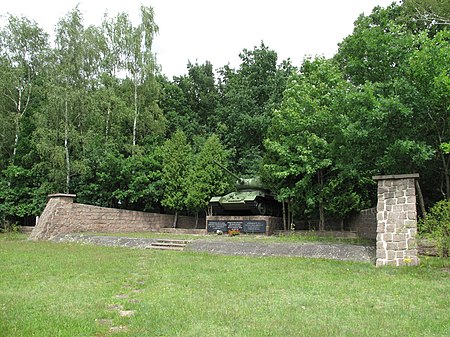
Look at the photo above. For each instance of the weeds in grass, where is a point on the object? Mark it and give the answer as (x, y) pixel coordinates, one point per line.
(68, 290)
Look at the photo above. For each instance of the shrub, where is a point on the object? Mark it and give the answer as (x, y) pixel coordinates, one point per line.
(436, 226)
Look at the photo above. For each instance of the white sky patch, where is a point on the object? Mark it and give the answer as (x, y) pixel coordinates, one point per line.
(217, 31)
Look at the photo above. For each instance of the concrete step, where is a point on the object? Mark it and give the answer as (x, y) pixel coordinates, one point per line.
(174, 241)
(165, 247)
(168, 244)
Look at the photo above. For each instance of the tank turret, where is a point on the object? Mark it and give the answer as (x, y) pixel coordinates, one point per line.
(250, 197)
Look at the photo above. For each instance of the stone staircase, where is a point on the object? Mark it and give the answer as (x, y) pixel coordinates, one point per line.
(168, 244)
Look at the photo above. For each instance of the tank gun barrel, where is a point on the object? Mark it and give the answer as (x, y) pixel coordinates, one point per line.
(234, 175)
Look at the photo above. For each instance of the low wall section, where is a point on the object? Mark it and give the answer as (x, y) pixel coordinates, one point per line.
(62, 215)
(364, 224)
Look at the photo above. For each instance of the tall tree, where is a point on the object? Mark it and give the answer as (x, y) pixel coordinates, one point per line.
(177, 160)
(137, 60)
(379, 44)
(428, 78)
(23, 49)
(206, 178)
(248, 96)
(432, 12)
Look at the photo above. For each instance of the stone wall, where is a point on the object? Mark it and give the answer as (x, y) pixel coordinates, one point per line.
(272, 223)
(396, 220)
(62, 215)
(364, 224)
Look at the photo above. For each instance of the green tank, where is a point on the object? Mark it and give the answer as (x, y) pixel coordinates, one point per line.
(251, 197)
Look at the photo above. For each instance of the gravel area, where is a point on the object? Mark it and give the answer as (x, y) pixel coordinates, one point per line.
(335, 251)
(112, 241)
(344, 252)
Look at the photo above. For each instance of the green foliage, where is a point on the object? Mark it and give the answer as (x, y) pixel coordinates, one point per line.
(304, 150)
(176, 163)
(431, 12)
(249, 95)
(92, 115)
(379, 45)
(436, 226)
(205, 178)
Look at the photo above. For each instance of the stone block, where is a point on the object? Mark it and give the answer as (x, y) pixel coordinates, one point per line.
(411, 200)
(381, 254)
(390, 201)
(410, 192)
(381, 216)
(400, 254)
(391, 263)
(380, 227)
(390, 228)
(409, 207)
(398, 237)
(410, 223)
(382, 189)
(402, 245)
(390, 254)
(399, 194)
(381, 245)
(387, 237)
(401, 200)
(411, 215)
(391, 246)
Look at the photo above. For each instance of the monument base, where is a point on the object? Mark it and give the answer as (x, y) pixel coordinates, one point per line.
(249, 224)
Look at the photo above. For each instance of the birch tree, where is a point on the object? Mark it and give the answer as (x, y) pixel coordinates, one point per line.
(23, 47)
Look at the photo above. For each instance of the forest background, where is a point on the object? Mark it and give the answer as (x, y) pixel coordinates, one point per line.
(91, 113)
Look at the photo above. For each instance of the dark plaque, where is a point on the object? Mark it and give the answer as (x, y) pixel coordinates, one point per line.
(214, 226)
(235, 225)
(254, 226)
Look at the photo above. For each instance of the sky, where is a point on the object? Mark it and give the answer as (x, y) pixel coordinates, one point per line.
(217, 31)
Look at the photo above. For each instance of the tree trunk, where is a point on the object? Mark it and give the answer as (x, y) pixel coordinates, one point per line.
(421, 202)
(66, 146)
(284, 216)
(175, 220)
(19, 116)
(16, 141)
(321, 209)
(445, 164)
(321, 217)
(107, 122)
(135, 111)
(290, 216)
(196, 219)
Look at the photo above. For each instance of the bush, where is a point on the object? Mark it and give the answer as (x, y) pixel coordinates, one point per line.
(436, 226)
(7, 226)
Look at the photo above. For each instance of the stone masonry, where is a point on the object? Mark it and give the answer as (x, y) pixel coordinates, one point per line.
(62, 216)
(396, 220)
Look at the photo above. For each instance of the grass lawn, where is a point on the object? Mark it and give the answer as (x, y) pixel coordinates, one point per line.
(50, 289)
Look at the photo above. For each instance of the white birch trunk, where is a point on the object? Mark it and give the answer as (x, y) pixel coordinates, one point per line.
(66, 146)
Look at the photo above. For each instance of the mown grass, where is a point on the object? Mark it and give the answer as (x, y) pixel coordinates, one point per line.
(53, 289)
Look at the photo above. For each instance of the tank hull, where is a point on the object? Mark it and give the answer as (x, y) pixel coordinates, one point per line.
(245, 203)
